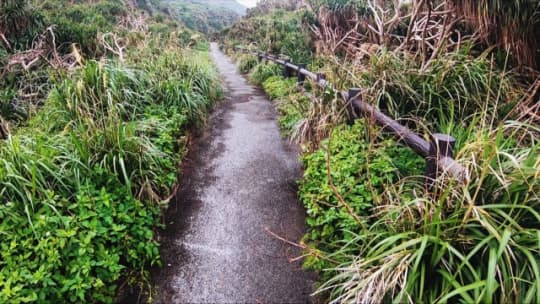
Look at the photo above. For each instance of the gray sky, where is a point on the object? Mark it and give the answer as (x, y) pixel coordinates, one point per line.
(248, 3)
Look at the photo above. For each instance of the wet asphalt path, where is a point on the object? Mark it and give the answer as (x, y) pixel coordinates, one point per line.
(238, 184)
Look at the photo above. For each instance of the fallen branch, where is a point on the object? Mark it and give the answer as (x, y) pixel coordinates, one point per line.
(5, 41)
(117, 49)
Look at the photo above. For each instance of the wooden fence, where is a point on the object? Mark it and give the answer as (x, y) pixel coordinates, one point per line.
(438, 152)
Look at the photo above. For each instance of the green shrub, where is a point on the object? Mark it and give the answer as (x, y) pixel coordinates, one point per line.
(81, 23)
(20, 23)
(74, 251)
(277, 86)
(291, 113)
(342, 5)
(291, 103)
(159, 18)
(279, 32)
(203, 17)
(284, 33)
(246, 63)
(344, 182)
(263, 71)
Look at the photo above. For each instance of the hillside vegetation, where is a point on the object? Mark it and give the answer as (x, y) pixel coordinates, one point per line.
(379, 232)
(96, 98)
(205, 16)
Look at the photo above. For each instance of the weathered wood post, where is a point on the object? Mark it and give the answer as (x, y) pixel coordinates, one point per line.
(286, 70)
(440, 146)
(4, 130)
(301, 77)
(353, 93)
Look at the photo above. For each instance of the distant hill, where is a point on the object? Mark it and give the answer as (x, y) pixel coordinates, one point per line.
(229, 4)
(205, 15)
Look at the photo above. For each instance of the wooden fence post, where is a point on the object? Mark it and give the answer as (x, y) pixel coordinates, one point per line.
(353, 93)
(301, 77)
(4, 130)
(441, 145)
(286, 70)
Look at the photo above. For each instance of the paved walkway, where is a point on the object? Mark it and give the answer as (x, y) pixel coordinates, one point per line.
(238, 184)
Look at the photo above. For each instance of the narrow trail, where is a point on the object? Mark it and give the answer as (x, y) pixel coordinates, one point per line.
(238, 184)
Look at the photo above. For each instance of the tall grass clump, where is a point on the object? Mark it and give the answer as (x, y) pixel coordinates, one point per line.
(186, 80)
(453, 88)
(514, 25)
(307, 117)
(343, 182)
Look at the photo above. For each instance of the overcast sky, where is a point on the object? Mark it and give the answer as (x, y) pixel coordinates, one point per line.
(248, 3)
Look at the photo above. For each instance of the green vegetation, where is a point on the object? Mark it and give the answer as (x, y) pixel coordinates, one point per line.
(46, 38)
(81, 23)
(92, 157)
(281, 32)
(471, 243)
(370, 213)
(343, 182)
(246, 63)
(19, 22)
(453, 89)
(261, 72)
(205, 16)
(376, 231)
(82, 183)
(96, 98)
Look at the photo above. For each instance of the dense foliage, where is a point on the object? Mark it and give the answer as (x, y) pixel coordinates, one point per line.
(19, 22)
(205, 16)
(280, 32)
(456, 244)
(85, 175)
(81, 23)
(452, 90)
(343, 182)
